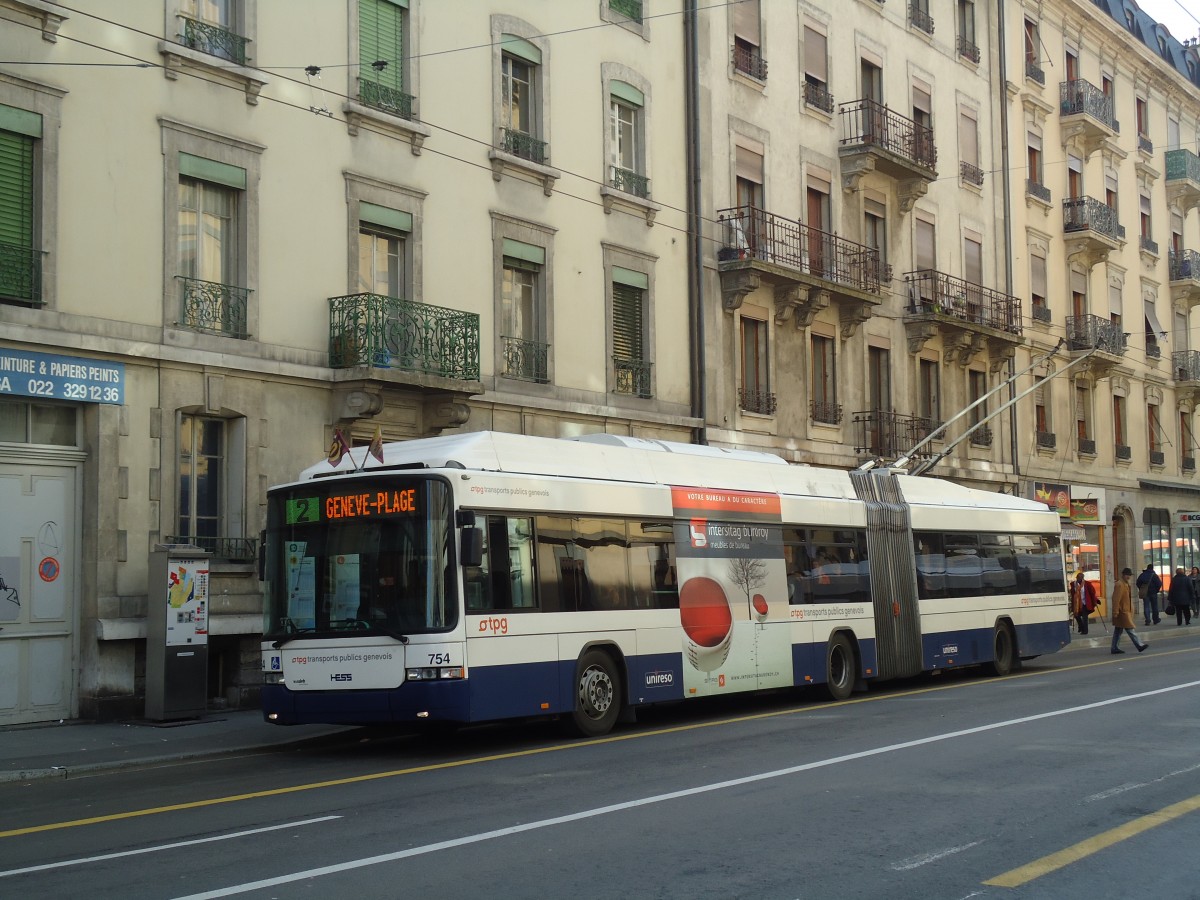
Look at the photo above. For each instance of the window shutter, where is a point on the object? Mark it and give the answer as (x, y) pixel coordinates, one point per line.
(627, 322)
(968, 138)
(749, 165)
(16, 189)
(746, 17)
(1038, 276)
(926, 257)
(381, 37)
(815, 55)
(973, 261)
(1114, 299)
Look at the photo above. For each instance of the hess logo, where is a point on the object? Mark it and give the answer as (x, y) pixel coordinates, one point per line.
(341, 676)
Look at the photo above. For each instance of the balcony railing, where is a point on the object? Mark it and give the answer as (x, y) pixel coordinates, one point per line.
(1153, 350)
(1184, 265)
(632, 377)
(524, 146)
(1089, 214)
(935, 292)
(882, 432)
(387, 332)
(1034, 72)
(214, 40)
(1037, 190)
(919, 17)
(226, 548)
(1124, 451)
(208, 306)
(1186, 365)
(967, 49)
(1188, 464)
(870, 122)
(1082, 97)
(1047, 440)
(1148, 245)
(630, 9)
(1087, 446)
(826, 412)
(1183, 165)
(1041, 313)
(381, 96)
(748, 60)
(819, 96)
(527, 360)
(1145, 145)
(630, 182)
(752, 233)
(1089, 332)
(970, 173)
(761, 402)
(20, 274)
(1158, 457)
(982, 437)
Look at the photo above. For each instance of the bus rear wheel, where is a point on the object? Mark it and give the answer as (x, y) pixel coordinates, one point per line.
(840, 667)
(1004, 651)
(597, 694)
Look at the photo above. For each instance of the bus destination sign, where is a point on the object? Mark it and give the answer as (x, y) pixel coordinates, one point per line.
(57, 377)
(352, 504)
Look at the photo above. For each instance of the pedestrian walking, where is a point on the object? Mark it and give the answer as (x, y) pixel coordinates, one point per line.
(1083, 601)
(1180, 596)
(1194, 578)
(1148, 587)
(1122, 612)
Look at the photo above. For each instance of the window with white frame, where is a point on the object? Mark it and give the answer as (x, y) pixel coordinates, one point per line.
(522, 326)
(216, 27)
(521, 126)
(627, 158)
(213, 295)
(383, 251)
(211, 479)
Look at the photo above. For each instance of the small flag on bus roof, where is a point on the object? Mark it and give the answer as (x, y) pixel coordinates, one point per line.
(375, 448)
(338, 448)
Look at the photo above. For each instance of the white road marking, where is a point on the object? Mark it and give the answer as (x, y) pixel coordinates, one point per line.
(915, 862)
(220, 837)
(1133, 785)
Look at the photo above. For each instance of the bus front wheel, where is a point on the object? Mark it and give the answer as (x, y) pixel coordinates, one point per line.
(840, 667)
(597, 694)
(1004, 651)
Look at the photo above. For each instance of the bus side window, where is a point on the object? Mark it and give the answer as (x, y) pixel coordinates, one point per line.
(476, 580)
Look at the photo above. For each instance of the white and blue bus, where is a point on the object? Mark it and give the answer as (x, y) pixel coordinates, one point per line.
(486, 576)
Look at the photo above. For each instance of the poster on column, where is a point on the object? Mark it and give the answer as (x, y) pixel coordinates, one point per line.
(733, 606)
(187, 601)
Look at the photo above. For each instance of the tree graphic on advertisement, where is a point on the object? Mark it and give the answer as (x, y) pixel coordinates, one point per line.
(748, 574)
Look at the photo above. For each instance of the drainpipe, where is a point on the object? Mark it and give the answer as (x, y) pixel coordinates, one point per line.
(1006, 178)
(695, 243)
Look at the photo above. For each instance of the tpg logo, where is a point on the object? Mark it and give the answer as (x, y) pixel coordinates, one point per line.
(658, 679)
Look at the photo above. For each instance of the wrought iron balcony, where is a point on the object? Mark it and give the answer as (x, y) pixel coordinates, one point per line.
(524, 146)
(1087, 214)
(826, 412)
(208, 306)
(1089, 332)
(1037, 190)
(888, 434)
(818, 95)
(527, 360)
(20, 274)
(1153, 349)
(1158, 458)
(1082, 98)
(1047, 440)
(1124, 451)
(967, 49)
(933, 293)
(903, 148)
(748, 60)
(919, 17)
(381, 96)
(630, 182)
(1087, 446)
(970, 173)
(390, 333)
(214, 40)
(1183, 178)
(232, 549)
(632, 377)
(1184, 267)
(761, 402)
(1034, 72)
(630, 9)
(1148, 245)
(749, 233)
(1186, 366)
(1041, 314)
(982, 437)
(1188, 463)
(1145, 145)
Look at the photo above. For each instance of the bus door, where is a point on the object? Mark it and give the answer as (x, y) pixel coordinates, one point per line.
(893, 567)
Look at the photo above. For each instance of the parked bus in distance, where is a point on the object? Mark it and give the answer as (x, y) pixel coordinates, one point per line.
(487, 576)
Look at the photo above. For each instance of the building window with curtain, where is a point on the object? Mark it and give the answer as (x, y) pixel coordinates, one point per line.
(215, 27)
(823, 391)
(626, 143)
(201, 481)
(522, 329)
(211, 242)
(1037, 285)
(1146, 241)
(383, 56)
(1043, 431)
(967, 48)
(1083, 421)
(521, 126)
(1154, 435)
(929, 399)
(631, 362)
(755, 394)
(1187, 444)
(20, 250)
(977, 387)
(816, 70)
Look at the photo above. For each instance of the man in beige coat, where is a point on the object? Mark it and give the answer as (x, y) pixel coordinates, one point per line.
(1122, 613)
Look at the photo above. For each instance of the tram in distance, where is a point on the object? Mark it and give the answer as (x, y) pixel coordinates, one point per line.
(487, 576)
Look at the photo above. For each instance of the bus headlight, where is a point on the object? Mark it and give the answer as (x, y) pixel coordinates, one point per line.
(272, 677)
(433, 673)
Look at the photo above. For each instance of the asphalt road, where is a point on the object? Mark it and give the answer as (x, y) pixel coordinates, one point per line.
(1078, 777)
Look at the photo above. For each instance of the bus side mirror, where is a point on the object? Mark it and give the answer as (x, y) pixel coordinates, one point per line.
(470, 551)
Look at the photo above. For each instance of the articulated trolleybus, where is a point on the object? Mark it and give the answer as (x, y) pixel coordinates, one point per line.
(487, 576)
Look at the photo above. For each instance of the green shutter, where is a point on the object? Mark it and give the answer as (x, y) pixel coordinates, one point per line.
(395, 219)
(624, 91)
(16, 190)
(627, 324)
(212, 171)
(521, 49)
(20, 121)
(631, 278)
(381, 37)
(527, 252)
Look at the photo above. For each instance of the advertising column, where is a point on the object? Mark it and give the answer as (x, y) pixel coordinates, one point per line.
(177, 633)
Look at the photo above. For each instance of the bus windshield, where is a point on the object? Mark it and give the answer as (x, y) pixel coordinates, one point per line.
(367, 555)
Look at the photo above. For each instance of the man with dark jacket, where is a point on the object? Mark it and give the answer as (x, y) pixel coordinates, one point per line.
(1180, 597)
(1149, 585)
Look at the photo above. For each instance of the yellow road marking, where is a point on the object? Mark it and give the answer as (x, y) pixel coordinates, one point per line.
(610, 739)
(1084, 849)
